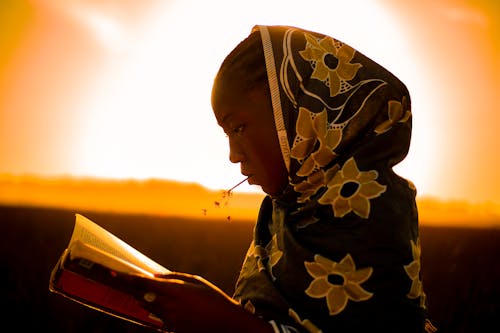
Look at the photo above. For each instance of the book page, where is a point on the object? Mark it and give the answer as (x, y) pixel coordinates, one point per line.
(89, 232)
(87, 252)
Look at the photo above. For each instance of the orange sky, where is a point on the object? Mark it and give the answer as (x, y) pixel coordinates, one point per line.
(100, 88)
(168, 198)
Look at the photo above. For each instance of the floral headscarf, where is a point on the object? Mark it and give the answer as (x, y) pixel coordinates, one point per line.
(339, 249)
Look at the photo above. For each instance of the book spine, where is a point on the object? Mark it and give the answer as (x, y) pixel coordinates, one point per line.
(105, 299)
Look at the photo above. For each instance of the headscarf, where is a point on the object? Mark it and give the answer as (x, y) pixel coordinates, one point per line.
(339, 250)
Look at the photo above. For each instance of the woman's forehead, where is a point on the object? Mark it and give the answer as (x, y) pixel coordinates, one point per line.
(231, 102)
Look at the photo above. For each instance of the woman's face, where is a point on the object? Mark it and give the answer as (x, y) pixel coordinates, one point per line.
(247, 119)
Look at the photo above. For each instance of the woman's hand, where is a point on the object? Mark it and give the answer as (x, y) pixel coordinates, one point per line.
(188, 303)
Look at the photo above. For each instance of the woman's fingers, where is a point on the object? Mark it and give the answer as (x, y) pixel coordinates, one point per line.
(192, 279)
(195, 279)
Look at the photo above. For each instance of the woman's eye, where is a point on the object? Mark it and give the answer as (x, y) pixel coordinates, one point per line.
(238, 129)
(234, 131)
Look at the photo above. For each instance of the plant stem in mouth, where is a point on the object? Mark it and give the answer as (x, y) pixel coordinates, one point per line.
(235, 186)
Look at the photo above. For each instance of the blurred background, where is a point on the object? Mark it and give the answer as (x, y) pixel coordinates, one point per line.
(120, 89)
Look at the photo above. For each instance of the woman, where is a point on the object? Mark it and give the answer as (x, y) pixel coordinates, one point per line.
(319, 127)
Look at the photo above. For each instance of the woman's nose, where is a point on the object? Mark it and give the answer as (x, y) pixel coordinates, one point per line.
(235, 154)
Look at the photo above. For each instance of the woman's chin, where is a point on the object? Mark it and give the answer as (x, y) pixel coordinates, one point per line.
(252, 181)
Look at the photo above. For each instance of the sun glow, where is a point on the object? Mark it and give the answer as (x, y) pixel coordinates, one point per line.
(148, 112)
(121, 88)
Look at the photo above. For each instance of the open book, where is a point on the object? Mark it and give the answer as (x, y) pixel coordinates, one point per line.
(87, 271)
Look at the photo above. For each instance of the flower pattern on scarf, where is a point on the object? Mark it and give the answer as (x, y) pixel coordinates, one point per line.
(306, 323)
(314, 182)
(338, 282)
(267, 256)
(331, 61)
(398, 112)
(249, 307)
(351, 190)
(413, 272)
(274, 254)
(312, 128)
(259, 253)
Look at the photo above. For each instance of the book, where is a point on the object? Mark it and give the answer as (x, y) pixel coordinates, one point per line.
(88, 270)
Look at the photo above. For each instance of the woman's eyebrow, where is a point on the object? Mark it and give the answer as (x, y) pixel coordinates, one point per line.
(226, 118)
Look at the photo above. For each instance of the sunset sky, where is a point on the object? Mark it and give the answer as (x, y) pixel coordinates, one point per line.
(121, 88)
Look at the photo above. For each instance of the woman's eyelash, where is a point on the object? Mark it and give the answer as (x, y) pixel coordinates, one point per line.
(236, 130)
(239, 129)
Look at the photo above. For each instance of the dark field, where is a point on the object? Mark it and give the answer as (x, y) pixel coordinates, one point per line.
(461, 267)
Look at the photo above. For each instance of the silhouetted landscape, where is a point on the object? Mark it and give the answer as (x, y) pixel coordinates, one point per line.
(460, 267)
